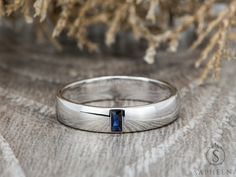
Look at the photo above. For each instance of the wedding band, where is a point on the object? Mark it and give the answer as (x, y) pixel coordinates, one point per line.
(117, 104)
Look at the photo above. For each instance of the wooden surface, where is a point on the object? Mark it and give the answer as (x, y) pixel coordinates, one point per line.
(34, 144)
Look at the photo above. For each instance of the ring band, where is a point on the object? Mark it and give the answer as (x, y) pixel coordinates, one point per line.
(117, 104)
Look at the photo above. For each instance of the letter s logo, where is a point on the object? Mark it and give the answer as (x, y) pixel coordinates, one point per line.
(215, 155)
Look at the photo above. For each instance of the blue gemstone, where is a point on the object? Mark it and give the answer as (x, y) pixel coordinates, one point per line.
(116, 120)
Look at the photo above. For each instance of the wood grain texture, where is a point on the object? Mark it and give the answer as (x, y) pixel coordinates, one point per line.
(34, 143)
(9, 165)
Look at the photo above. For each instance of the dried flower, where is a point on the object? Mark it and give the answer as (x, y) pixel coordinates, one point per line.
(156, 21)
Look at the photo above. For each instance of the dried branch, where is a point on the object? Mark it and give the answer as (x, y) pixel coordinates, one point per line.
(156, 21)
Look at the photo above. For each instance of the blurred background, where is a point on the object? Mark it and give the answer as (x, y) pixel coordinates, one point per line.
(44, 44)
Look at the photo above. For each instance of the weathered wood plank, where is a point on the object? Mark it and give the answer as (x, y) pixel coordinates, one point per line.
(44, 147)
(9, 165)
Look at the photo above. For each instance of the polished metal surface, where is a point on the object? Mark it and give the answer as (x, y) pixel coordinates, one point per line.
(147, 103)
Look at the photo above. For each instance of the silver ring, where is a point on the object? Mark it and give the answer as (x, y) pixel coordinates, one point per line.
(117, 104)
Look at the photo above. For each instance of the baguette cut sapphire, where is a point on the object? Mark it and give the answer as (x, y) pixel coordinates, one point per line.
(116, 119)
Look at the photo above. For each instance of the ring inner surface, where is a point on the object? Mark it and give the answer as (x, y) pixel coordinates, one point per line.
(117, 93)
